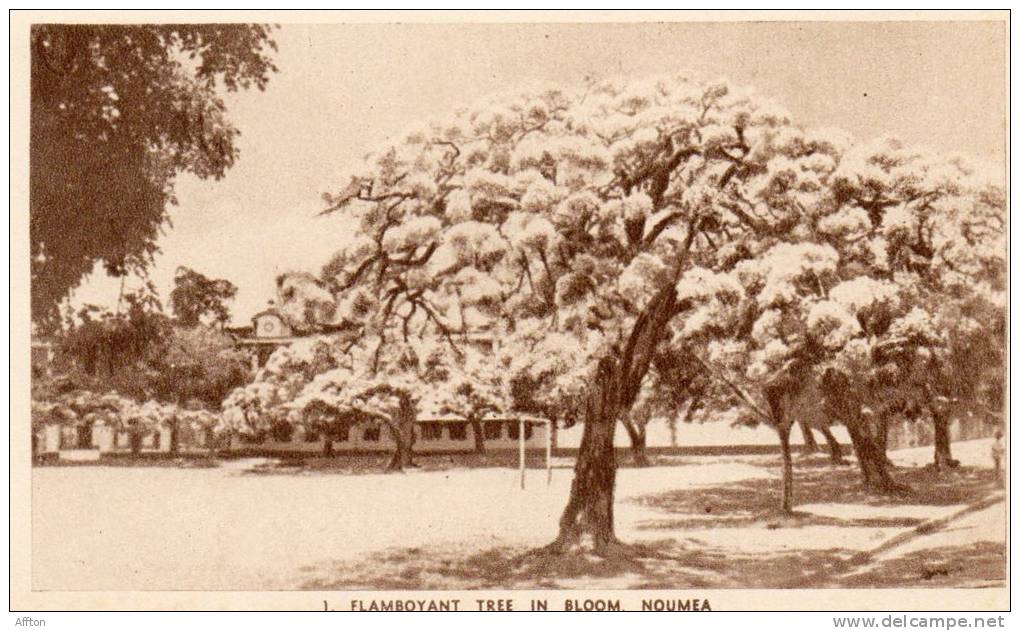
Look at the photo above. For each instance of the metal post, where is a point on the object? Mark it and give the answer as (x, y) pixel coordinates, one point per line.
(520, 441)
(548, 452)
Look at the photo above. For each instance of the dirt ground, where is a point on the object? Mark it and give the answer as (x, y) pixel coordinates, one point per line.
(695, 522)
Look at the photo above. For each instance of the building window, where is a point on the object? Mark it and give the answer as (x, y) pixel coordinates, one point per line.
(85, 436)
(431, 431)
(68, 438)
(371, 434)
(458, 431)
(513, 430)
(527, 431)
(492, 431)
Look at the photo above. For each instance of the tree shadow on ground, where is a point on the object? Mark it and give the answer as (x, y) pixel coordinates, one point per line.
(981, 564)
(739, 504)
(683, 562)
(663, 564)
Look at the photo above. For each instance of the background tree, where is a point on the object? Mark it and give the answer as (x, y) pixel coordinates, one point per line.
(117, 111)
(757, 322)
(931, 228)
(142, 354)
(103, 350)
(196, 299)
(375, 384)
(198, 365)
(255, 408)
(470, 385)
(673, 391)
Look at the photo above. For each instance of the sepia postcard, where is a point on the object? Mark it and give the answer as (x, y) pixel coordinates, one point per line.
(510, 311)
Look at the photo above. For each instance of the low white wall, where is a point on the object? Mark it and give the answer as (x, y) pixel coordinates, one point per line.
(358, 442)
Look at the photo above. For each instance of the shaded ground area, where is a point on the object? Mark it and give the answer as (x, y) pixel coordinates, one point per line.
(979, 564)
(817, 481)
(657, 565)
(730, 535)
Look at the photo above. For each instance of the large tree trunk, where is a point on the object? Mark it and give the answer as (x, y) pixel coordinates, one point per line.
(786, 501)
(617, 381)
(835, 451)
(810, 444)
(589, 510)
(882, 433)
(872, 461)
(879, 429)
(943, 453)
(476, 429)
(638, 441)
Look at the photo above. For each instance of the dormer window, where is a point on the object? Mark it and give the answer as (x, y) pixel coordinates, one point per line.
(270, 324)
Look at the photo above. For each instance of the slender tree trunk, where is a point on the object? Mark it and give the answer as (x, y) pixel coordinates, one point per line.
(672, 432)
(810, 444)
(327, 447)
(638, 440)
(402, 431)
(402, 457)
(943, 453)
(835, 451)
(399, 459)
(476, 429)
(786, 501)
(639, 452)
(174, 436)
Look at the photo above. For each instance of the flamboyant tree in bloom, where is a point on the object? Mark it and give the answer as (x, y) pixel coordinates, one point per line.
(258, 407)
(891, 239)
(581, 213)
(759, 323)
(303, 302)
(927, 235)
(574, 213)
(377, 383)
(470, 383)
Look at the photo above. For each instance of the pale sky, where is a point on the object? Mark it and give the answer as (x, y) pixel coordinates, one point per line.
(343, 90)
